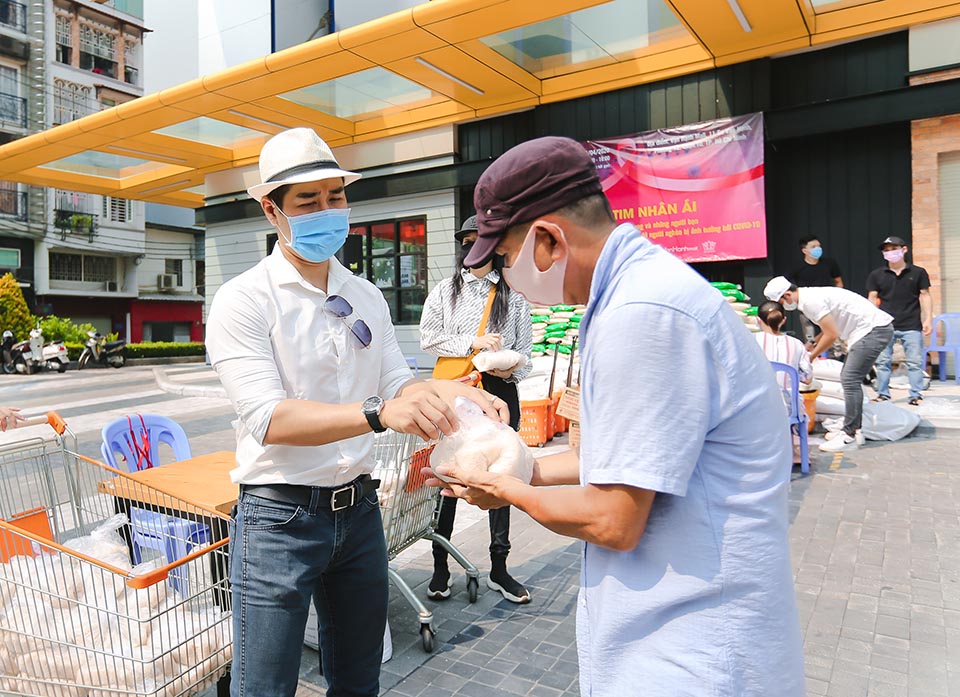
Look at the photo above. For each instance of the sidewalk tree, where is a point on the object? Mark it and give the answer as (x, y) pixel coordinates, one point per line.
(14, 313)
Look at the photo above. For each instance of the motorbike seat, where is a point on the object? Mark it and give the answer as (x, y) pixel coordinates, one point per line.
(110, 345)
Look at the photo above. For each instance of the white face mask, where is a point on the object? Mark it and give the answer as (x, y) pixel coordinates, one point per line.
(789, 306)
(539, 287)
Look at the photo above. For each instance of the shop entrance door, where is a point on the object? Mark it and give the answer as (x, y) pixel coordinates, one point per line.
(950, 230)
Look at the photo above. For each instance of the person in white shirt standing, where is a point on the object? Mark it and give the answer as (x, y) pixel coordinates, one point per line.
(308, 356)
(840, 314)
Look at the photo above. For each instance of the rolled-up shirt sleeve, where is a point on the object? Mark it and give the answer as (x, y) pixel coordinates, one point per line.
(238, 342)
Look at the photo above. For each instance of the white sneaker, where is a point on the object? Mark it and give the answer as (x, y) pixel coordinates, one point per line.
(833, 424)
(836, 434)
(840, 444)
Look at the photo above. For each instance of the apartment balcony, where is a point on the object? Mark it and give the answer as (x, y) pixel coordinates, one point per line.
(76, 222)
(13, 203)
(13, 110)
(13, 15)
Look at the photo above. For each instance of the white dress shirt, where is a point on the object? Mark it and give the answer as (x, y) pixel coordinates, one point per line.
(269, 340)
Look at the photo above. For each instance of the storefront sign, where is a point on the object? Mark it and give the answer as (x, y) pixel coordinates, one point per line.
(696, 190)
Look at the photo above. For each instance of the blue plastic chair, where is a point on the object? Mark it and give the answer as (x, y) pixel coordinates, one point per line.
(798, 415)
(950, 344)
(172, 536)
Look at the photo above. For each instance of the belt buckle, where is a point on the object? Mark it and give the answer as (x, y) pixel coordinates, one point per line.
(335, 506)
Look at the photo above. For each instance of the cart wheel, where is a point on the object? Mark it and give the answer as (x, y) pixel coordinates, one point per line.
(426, 638)
(472, 586)
(540, 445)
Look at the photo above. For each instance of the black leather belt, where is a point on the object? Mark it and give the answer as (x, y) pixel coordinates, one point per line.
(334, 498)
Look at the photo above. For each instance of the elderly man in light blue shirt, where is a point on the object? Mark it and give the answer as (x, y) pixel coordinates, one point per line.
(681, 489)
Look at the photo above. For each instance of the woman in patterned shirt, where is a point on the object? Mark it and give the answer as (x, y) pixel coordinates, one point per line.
(448, 327)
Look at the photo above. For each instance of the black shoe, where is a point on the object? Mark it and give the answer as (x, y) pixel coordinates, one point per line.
(915, 401)
(881, 398)
(511, 589)
(439, 588)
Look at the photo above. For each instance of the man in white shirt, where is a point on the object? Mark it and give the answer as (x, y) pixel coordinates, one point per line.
(307, 354)
(840, 314)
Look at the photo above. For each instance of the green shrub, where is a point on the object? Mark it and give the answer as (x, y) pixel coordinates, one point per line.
(63, 329)
(73, 350)
(14, 313)
(163, 349)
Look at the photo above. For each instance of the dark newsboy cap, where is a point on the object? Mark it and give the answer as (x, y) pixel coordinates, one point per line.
(529, 180)
(898, 241)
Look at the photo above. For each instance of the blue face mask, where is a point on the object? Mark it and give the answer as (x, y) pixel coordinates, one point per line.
(816, 252)
(318, 236)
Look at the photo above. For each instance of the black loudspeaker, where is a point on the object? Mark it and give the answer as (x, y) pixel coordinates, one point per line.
(351, 253)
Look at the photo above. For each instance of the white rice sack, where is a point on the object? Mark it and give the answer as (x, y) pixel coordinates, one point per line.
(539, 326)
(830, 406)
(829, 388)
(504, 359)
(738, 306)
(483, 444)
(827, 369)
(533, 388)
(104, 543)
(565, 315)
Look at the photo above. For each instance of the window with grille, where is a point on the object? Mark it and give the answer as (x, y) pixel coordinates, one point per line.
(116, 210)
(64, 39)
(98, 50)
(70, 101)
(66, 267)
(82, 267)
(174, 267)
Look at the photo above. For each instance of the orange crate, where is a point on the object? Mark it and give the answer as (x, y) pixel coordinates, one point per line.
(536, 421)
(560, 424)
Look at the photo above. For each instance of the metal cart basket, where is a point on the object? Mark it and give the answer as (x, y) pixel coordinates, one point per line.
(76, 619)
(410, 510)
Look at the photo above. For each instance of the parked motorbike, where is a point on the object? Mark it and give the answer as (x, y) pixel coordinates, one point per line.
(33, 355)
(99, 350)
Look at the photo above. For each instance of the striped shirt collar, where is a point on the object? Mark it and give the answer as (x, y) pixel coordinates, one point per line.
(493, 277)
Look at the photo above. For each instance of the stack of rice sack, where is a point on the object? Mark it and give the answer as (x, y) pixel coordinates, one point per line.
(554, 328)
(740, 302)
(70, 622)
(537, 383)
(830, 402)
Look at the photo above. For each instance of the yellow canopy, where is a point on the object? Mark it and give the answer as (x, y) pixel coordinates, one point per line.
(442, 62)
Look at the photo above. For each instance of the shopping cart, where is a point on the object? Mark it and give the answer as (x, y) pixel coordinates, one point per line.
(76, 619)
(410, 512)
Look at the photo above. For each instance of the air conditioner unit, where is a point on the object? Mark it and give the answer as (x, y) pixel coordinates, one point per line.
(166, 281)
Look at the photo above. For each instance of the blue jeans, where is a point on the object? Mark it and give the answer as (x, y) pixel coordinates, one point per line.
(912, 342)
(281, 555)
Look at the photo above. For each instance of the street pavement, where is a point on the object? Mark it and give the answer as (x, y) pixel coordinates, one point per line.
(875, 544)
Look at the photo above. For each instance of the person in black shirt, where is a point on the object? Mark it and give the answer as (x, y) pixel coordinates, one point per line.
(816, 271)
(903, 291)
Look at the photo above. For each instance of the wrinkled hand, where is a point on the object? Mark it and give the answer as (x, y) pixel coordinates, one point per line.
(478, 487)
(927, 328)
(487, 342)
(10, 417)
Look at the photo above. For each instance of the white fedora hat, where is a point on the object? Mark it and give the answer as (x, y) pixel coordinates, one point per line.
(296, 156)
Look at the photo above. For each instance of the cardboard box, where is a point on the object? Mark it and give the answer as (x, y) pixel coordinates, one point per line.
(573, 435)
(569, 405)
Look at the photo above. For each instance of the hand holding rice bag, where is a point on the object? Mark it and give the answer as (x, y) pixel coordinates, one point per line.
(480, 443)
(504, 359)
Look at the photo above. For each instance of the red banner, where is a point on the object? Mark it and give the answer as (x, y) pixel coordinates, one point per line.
(696, 190)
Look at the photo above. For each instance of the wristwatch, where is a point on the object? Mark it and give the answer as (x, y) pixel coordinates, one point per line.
(371, 407)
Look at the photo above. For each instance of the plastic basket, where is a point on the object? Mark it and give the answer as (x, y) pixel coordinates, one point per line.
(536, 422)
(560, 424)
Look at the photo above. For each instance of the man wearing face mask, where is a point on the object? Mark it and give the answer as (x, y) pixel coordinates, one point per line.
(817, 271)
(840, 314)
(308, 356)
(680, 490)
(903, 291)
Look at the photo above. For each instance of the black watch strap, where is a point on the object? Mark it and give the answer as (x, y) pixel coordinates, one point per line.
(374, 420)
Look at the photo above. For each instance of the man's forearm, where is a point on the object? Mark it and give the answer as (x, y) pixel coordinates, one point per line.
(553, 470)
(926, 308)
(305, 423)
(823, 343)
(607, 516)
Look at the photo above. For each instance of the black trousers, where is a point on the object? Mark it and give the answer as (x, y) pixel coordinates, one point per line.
(500, 517)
